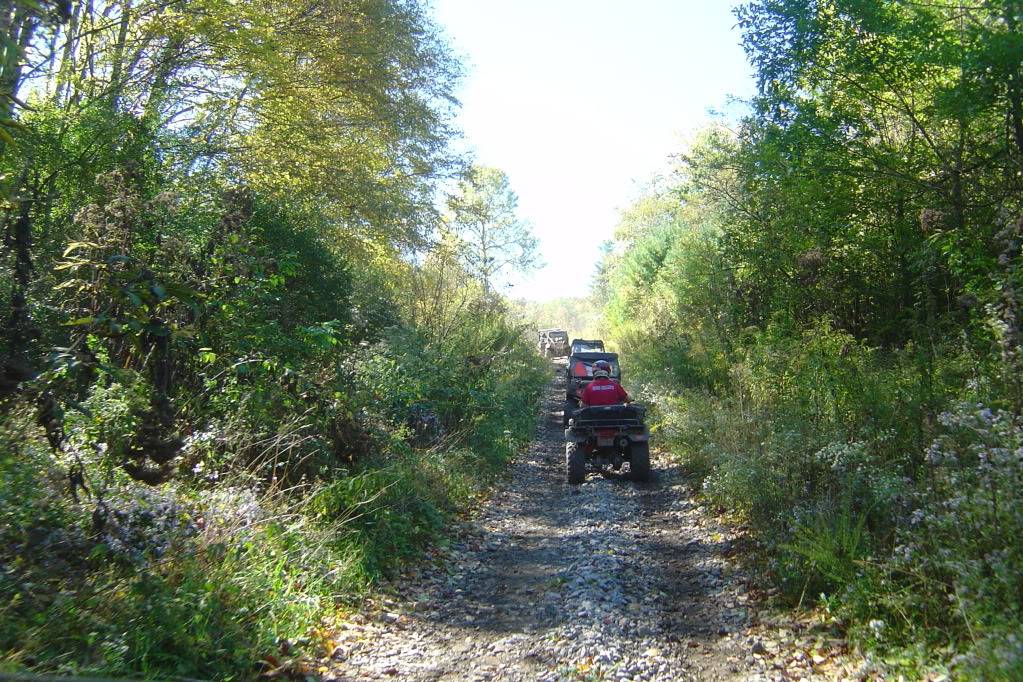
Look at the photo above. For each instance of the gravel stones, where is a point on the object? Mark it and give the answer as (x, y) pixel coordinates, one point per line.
(609, 580)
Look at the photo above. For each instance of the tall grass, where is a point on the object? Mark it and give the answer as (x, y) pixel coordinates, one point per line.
(880, 485)
(226, 575)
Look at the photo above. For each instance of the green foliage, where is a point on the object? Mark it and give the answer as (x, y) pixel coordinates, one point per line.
(239, 384)
(488, 235)
(580, 317)
(214, 575)
(207, 605)
(833, 544)
(660, 290)
(823, 301)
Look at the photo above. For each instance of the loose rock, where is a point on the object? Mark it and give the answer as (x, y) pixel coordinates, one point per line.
(609, 580)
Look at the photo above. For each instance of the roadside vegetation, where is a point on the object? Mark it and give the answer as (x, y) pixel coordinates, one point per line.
(254, 353)
(824, 305)
(247, 367)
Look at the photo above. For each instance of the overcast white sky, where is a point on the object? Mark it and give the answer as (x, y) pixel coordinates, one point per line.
(580, 102)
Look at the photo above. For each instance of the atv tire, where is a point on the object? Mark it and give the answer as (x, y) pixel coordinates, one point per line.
(575, 462)
(639, 462)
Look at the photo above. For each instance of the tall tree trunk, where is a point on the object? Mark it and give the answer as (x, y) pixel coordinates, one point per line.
(166, 64)
(7, 35)
(70, 53)
(88, 66)
(117, 65)
(1015, 87)
(19, 237)
(20, 29)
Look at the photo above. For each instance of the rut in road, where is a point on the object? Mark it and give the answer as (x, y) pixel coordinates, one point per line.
(610, 579)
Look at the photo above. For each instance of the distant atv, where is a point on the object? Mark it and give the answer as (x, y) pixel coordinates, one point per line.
(587, 346)
(603, 438)
(552, 343)
(580, 374)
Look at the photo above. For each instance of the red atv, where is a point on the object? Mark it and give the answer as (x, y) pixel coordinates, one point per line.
(604, 437)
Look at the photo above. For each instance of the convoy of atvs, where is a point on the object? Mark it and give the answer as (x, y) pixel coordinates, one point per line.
(600, 438)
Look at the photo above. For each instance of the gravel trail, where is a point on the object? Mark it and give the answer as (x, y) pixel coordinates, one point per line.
(609, 580)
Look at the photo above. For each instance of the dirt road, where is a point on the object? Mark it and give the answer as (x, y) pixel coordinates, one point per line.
(608, 580)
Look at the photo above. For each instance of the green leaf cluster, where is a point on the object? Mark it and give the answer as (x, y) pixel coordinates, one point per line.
(242, 371)
(819, 290)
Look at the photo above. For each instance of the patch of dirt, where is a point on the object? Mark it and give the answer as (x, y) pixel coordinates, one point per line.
(608, 580)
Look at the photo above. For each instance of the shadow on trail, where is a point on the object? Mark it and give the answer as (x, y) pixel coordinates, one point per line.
(522, 580)
(613, 573)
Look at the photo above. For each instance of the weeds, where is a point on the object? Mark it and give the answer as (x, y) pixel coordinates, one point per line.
(912, 541)
(243, 560)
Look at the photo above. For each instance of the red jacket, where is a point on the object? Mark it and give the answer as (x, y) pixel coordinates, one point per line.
(603, 391)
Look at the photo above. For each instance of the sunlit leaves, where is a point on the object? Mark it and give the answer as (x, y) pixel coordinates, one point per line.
(488, 233)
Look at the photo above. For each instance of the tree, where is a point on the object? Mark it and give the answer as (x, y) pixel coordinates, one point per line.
(235, 146)
(483, 216)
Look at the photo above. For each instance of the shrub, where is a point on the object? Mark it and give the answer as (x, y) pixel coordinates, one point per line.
(819, 447)
(957, 564)
(276, 517)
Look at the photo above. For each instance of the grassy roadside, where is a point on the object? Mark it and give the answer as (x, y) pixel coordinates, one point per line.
(903, 529)
(221, 580)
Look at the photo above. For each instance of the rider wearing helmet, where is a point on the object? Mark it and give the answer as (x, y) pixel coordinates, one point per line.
(602, 390)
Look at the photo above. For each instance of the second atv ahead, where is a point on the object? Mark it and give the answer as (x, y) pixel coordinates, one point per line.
(602, 438)
(587, 346)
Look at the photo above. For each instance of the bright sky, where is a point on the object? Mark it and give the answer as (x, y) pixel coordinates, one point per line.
(580, 102)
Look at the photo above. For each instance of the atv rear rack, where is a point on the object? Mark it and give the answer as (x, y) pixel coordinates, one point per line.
(607, 423)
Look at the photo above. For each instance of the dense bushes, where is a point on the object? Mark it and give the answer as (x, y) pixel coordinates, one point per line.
(823, 305)
(303, 449)
(276, 515)
(904, 527)
(243, 374)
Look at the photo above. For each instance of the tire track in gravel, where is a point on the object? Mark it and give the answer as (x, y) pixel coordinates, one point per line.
(609, 580)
